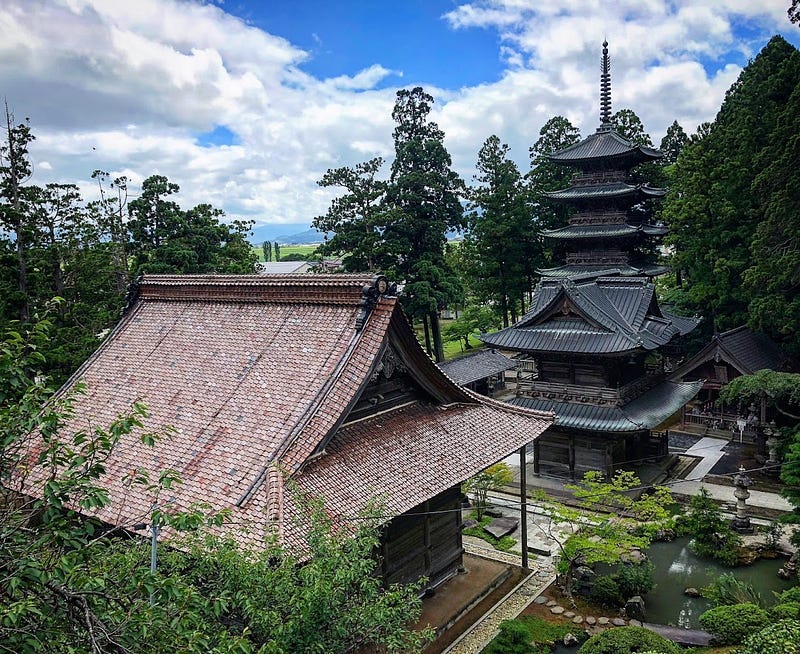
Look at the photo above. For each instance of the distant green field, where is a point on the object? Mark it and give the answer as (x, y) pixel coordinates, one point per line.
(305, 250)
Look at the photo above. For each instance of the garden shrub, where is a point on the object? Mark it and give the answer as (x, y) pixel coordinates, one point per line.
(529, 635)
(779, 638)
(635, 579)
(732, 624)
(711, 534)
(628, 640)
(605, 591)
(727, 590)
(790, 611)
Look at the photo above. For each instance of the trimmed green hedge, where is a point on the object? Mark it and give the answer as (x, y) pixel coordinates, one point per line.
(731, 624)
(627, 640)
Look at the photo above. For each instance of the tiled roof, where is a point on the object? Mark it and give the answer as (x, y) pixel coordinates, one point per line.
(605, 144)
(745, 350)
(414, 452)
(582, 271)
(603, 231)
(479, 365)
(609, 315)
(645, 412)
(605, 191)
(254, 374)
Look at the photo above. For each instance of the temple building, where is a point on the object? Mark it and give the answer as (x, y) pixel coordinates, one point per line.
(589, 344)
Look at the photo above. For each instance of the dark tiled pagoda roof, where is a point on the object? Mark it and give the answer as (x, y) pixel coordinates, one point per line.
(631, 192)
(606, 316)
(480, 365)
(745, 350)
(603, 231)
(645, 412)
(605, 146)
(576, 271)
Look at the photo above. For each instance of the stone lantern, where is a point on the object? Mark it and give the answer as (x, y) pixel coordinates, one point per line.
(741, 482)
(770, 431)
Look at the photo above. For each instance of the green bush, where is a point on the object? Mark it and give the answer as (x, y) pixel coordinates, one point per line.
(727, 590)
(732, 624)
(627, 640)
(789, 610)
(605, 591)
(635, 579)
(711, 534)
(529, 635)
(780, 638)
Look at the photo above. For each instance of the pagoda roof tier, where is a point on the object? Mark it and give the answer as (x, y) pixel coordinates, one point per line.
(605, 146)
(604, 316)
(582, 271)
(645, 412)
(618, 230)
(613, 191)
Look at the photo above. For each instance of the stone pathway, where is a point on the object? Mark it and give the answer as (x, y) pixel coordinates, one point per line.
(478, 636)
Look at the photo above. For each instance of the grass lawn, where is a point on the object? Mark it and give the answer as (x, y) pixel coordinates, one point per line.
(304, 250)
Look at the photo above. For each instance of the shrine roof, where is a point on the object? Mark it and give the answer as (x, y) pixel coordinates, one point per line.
(744, 349)
(584, 271)
(478, 365)
(607, 315)
(605, 143)
(603, 231)
(254, 376)
(644, 412)
(606, 191)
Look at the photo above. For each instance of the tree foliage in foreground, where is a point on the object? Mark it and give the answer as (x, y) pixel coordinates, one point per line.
(72, 584)
(607, 527)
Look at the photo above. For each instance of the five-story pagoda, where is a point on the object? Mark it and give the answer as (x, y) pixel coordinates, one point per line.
(589, 342)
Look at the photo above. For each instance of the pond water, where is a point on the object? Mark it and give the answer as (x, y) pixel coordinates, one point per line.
(676, 568)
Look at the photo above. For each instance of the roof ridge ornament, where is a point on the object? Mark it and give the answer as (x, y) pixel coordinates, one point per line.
(369, 297)
(605, 90)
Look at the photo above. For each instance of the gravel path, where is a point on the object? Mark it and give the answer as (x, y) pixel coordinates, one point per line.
(478, 636)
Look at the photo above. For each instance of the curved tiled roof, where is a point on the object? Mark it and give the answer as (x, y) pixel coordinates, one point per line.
(255, 375)
(605, 144)
(603, 231)
(609, 315)
(581, 271)
(479, 365)
(645, 412)
(606, 191)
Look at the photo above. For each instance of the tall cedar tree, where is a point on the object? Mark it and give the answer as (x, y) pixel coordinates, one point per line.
(499, 227)
(712, 209)
(422, 202)
(773, 278)
(557, 133)
(672, 143)
(356, 218)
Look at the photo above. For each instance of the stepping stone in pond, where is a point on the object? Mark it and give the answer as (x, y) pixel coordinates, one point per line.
(557, 610)
(551, 603)
(603, 621)
(618, 622)
(578, 619)
(569, 614)
(540, 600)
(635, 623)
(500, 527)
(591, 620)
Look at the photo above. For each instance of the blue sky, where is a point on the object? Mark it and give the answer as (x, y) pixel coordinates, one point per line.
(246, 104)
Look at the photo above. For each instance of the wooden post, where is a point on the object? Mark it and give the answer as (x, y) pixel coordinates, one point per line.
(523, 506)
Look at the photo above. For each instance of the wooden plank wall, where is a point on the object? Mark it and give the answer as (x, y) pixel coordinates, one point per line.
(424, 542)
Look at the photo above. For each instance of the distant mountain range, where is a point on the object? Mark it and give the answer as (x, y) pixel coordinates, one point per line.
(286, 234)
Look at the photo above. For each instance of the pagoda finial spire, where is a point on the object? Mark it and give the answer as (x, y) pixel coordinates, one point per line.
(605, 88)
